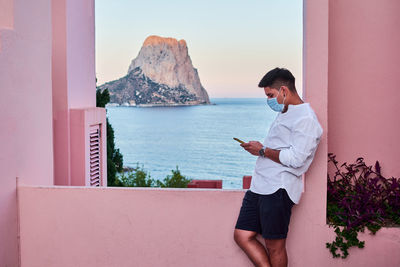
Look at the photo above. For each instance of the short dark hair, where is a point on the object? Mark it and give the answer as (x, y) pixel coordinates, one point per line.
(278, 77)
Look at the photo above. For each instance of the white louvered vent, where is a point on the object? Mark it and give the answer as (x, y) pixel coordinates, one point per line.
(95, 156)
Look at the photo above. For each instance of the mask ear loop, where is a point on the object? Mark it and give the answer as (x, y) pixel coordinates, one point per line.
(284, 97)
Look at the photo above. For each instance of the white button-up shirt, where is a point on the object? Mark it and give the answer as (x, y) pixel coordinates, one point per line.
(296, 133)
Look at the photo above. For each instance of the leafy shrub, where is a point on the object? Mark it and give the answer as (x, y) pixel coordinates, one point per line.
(176, 180)
(114, 157)
(137, 178)
(358, 198)
(140, 178)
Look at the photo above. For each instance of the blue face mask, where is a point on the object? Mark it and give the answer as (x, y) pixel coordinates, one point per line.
(274, 105)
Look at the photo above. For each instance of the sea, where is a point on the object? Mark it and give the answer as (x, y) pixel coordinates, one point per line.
(196, 139)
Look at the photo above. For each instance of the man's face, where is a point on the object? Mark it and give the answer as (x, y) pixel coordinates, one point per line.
(273, 92)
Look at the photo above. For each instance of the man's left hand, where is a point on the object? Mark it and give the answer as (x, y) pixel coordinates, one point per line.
(253, 147)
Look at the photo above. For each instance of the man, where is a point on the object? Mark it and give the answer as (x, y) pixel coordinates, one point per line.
(276, 184)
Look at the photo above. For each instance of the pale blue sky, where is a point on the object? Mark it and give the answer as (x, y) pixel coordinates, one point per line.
(231, 43)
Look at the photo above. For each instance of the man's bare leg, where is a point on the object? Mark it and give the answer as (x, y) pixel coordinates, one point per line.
(277, 252)
(256, 252)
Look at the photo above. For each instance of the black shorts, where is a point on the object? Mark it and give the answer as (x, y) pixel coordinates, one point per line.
(268, 215)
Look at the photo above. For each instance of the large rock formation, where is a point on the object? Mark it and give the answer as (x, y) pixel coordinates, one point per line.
(162, 74)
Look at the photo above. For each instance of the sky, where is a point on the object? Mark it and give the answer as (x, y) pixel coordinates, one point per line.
(233, 44)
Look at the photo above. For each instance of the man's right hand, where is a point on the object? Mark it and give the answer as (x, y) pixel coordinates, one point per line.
(253, 147)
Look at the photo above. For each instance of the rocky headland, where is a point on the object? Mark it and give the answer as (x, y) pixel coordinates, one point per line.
(161, 75)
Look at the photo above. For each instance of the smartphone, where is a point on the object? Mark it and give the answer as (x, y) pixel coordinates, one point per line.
(237, 139)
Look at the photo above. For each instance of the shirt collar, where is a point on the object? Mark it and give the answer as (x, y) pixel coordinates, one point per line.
(290, 107)
(295, 107)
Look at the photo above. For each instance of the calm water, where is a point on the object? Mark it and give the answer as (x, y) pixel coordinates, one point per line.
(196, 138)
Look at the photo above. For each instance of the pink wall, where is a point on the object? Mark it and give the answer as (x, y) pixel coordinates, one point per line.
(81, 68)
(33, 57)
(25, 109)
(74, 80)
(81, 226)
(364, 80)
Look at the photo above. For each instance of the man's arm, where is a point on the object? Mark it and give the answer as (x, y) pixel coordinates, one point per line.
(253, 147)
(305, 139)
(272, 154)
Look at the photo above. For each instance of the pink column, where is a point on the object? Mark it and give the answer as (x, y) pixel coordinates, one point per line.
(26, 134)
(308, 232)
(62, 174)
(74, 81)
(315, 91)
(364, 79)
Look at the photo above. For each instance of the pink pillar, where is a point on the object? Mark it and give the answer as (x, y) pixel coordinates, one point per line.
(74, 85)
(315, 91)
(46, 69)
(62, 175)
(364, 79)
(309, 217)
(26, 135)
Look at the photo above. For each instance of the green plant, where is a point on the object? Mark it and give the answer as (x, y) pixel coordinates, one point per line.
(137, 178)
(140, 178)
(176, 180)
(358, 198)
(114, 157)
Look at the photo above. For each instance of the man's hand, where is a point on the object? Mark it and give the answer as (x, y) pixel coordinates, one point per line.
(252, 147)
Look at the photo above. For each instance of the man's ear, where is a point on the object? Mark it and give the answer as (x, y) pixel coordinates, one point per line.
(285, 90)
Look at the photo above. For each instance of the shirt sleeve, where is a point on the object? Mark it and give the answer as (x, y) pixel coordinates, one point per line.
(304, 140)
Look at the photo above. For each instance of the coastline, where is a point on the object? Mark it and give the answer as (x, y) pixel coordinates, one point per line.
(155, 105)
